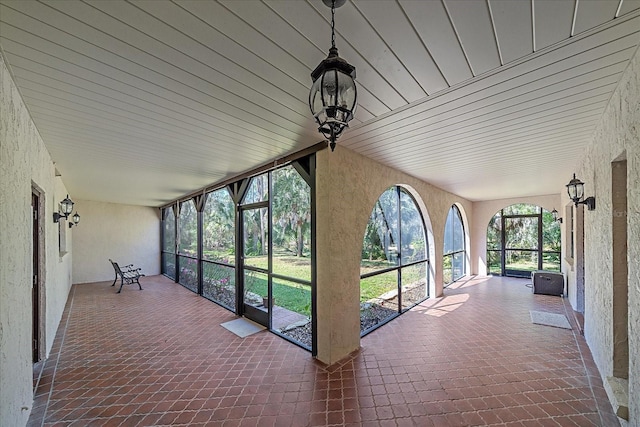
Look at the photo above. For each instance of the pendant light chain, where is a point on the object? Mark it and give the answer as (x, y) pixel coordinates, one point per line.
(333, 23)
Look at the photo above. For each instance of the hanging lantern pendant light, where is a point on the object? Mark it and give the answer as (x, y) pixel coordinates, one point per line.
(333, 95)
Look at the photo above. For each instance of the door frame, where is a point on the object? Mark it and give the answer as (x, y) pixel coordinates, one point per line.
(38, 271)
(263, 317)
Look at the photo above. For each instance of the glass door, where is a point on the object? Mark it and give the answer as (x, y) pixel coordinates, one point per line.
(256, 296)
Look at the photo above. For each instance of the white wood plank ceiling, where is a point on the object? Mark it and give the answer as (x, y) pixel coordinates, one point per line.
(140, 102)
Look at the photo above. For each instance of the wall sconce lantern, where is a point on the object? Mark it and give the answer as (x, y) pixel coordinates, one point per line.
(554, 213)
(333, 95)
(75, 219)
(575, 188)
(65, 209)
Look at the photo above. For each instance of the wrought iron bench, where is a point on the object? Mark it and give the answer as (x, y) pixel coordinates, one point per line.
(128, 275)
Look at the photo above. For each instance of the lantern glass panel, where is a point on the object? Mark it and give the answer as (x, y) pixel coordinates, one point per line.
(66, 206)
(329, 106)
(579, 191)
(346, 93)
(329, 87)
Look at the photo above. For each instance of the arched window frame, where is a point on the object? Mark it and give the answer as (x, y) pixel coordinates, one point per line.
(455, 252)
(397, 264)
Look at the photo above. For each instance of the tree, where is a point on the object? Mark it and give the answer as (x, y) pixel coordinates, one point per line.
(188, 228)
(218, 234)
(255, 220)
(291, 208)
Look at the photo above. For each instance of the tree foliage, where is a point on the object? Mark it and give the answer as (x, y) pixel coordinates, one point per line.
(187, 228)
(218, 230)
(395, 230)
(291, 213)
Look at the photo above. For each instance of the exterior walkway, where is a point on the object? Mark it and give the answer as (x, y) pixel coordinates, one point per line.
(160, 357)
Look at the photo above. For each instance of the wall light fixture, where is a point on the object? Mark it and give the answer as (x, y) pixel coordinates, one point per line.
(575, 188)
(65, 209)
(75, 219)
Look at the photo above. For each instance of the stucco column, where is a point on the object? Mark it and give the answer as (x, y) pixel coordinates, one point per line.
(338, 248)
(347, 187)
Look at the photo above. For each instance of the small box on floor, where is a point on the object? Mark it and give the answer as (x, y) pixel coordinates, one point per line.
(547, 283)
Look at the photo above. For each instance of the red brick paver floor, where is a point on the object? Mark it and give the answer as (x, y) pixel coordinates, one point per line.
(160, 357)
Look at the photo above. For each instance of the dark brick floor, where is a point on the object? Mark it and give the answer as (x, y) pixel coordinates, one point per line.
(160, 357)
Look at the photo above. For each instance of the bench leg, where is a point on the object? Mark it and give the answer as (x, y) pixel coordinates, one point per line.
(115, 280)
(121, 285)
(139, 285)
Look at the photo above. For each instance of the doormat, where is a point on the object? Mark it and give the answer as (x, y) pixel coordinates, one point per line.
(242, 327)
(549, 319)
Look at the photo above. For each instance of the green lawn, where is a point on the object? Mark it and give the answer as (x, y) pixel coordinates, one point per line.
(290, 295)
(297, 297)
(525, 266)
(374, 286)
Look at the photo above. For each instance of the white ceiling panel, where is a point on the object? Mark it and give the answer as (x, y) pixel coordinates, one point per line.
(560, 65)
(141, 102)
(474, 27)
(366, 40)
(164, 43)
(389, 20)
(431, 22)
(628, 6)
(141, 64)
(514, 28)
(553, 21)
(591, 13)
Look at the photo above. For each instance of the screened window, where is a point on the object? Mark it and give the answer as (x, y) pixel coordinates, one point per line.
(550, 243)
(291, 224)
(393, 269)
(219, 249)
(522, 238)
(291, 254)
(248, 247)
(187, 245)
(258, 190)
(453, 260)
(169, 242)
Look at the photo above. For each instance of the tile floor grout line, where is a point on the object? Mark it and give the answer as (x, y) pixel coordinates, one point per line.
(410, 370)
(584, 365)
(55, 366)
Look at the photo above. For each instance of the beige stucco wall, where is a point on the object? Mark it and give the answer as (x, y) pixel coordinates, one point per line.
(124, 233)
(25, 163)
(348, 185)
(484, 211)
(617, 134)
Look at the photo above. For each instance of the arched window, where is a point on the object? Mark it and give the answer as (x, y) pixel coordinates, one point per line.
(522, 238)
(393, 269)
(453, 259)
(169, 242)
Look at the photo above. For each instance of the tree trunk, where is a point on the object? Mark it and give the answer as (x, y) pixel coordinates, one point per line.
(300, 239)
(262, 235)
